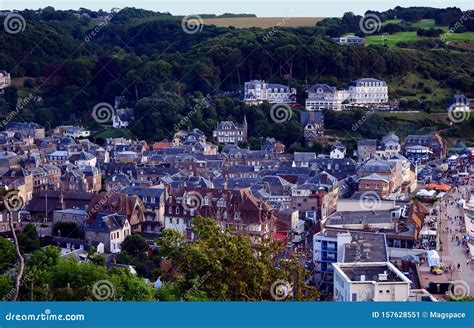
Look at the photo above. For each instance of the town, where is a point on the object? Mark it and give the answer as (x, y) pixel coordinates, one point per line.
(220, 211)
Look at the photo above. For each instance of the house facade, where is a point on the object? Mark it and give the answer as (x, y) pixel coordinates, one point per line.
(233, 209)
(230, 132)
(257, 91)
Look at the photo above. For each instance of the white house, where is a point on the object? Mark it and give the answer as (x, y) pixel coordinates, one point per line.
(365, 91)
(323, 96)
(368, 91)
(5, 79)
(338, 151)
(370, 281)
(256, 92)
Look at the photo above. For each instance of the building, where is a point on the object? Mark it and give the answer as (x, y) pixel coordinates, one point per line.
(313, 127)
(109, 229)
(5, 79)
(389, 146)
(333, 246)
(459, 103)
(337, 152)
(154, 202)
(348, 40)
(323, 96)
(71, 131)
(83, 159)
(370, 281)
(232, 208)
(362, 92)
(368, 91)
(366, 149)
(230, 132)
(316, 199)
(376, 183)
(32, 130)
(434, 142)
(256, 92)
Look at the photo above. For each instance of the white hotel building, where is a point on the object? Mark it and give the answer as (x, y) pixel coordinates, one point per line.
(368, 91)
(256, 92)
(362, 92)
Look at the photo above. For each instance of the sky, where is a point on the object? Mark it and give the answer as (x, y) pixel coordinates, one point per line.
(262, 8)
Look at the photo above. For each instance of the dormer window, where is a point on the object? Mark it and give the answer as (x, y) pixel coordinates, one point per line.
(221, 203)
(237, 216)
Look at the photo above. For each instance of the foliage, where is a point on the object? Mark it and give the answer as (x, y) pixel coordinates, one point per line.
(28, 239)
(222, 265)
(7, 255)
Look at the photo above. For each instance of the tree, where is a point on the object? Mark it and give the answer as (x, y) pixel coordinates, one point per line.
(135, 246)
(221, 265)
(7, 255)
(6, 286)
(11, 96)
(28, 238)
(11, 202)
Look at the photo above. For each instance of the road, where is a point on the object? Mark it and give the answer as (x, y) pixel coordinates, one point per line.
(452, 253)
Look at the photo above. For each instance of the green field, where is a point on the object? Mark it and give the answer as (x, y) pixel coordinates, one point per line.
(392, 39)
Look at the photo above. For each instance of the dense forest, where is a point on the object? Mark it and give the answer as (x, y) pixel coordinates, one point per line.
(72, 62)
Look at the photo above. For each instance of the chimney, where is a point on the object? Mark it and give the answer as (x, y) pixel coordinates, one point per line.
(324, 178)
